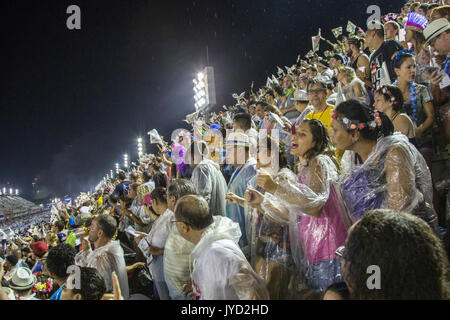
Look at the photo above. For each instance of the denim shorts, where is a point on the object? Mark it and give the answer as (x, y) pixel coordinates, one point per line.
(319, 276)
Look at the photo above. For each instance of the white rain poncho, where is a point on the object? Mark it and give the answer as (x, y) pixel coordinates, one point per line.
(271, 256)
(395, 176)
(220, 270)
(313, 239)
(176, 260)
(105, 260)
(211, 185)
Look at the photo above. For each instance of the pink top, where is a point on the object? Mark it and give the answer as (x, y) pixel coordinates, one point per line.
(321, 236)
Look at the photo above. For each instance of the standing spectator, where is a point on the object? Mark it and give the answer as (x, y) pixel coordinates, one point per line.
(381, 68)
(22, 283)
(380, 170)
(358, 59)
(220, 269)
(207, 179)
(413, 247)
(391, 30)
(123, 187)
(389, 99)
(317, 98)
(59, 259)
(353, 87)
(157, 238)
(238, 154)
(418, 103)
(177, 249)
(108, 254)
(92, 286)
(39, 249)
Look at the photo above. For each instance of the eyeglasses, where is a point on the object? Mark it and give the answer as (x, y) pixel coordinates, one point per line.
(175, 221)
(317, 91)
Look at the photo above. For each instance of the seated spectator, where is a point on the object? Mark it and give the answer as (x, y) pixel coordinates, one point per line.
(415, 247)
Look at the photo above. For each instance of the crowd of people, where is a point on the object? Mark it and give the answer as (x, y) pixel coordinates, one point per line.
(334, 172)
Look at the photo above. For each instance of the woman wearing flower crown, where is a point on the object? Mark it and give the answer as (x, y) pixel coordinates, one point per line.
(389, 99)
(316, 228)
(380, 170)
(418, 103)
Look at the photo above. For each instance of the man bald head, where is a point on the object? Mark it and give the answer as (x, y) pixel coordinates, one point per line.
(192, 217)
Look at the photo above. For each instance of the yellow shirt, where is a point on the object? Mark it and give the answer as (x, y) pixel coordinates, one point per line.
(325, 118)
(99, 202)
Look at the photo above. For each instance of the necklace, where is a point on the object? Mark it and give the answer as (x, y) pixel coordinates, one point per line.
(321, 114)
(412, 99)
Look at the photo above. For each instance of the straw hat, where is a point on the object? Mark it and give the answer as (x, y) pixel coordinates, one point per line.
(435, 28)
(23, 279)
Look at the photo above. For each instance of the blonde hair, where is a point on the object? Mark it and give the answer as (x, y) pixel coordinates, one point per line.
(52, 239)
(349, 73)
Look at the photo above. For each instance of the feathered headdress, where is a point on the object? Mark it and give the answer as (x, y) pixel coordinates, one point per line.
(416, 21)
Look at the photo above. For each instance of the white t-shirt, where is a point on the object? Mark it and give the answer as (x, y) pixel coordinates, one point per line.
(160, 230)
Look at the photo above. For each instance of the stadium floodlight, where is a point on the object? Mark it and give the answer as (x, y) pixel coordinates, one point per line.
(111, 173)
(117, 168)
(125, 160)
(140, 147)
(17, 192)
(204, 89)
(11, 191)
(4, 190)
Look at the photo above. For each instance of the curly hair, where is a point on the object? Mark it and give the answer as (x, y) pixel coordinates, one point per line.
(93, 285)
(412, 260)
(59, 258)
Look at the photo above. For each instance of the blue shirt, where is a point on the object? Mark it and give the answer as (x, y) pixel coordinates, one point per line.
(57, 294)
(122, 188)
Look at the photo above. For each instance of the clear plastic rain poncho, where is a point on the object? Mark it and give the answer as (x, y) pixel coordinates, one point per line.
(271, 256)
(313, 239)
(395, 176)
(237, 185)
(105, 260)
(219, 269)
(210, 183)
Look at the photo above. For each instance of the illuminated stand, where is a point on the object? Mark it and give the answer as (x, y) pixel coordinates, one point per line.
(125, 161)
(204, 90)
(140, 147)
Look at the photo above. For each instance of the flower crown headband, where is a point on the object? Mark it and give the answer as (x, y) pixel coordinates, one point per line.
(385, 90)
(400, 54)
(357, 125)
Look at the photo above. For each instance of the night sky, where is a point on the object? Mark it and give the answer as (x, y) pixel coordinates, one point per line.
(73, 102)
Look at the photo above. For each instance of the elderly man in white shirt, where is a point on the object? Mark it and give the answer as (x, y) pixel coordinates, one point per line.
(108, 254)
